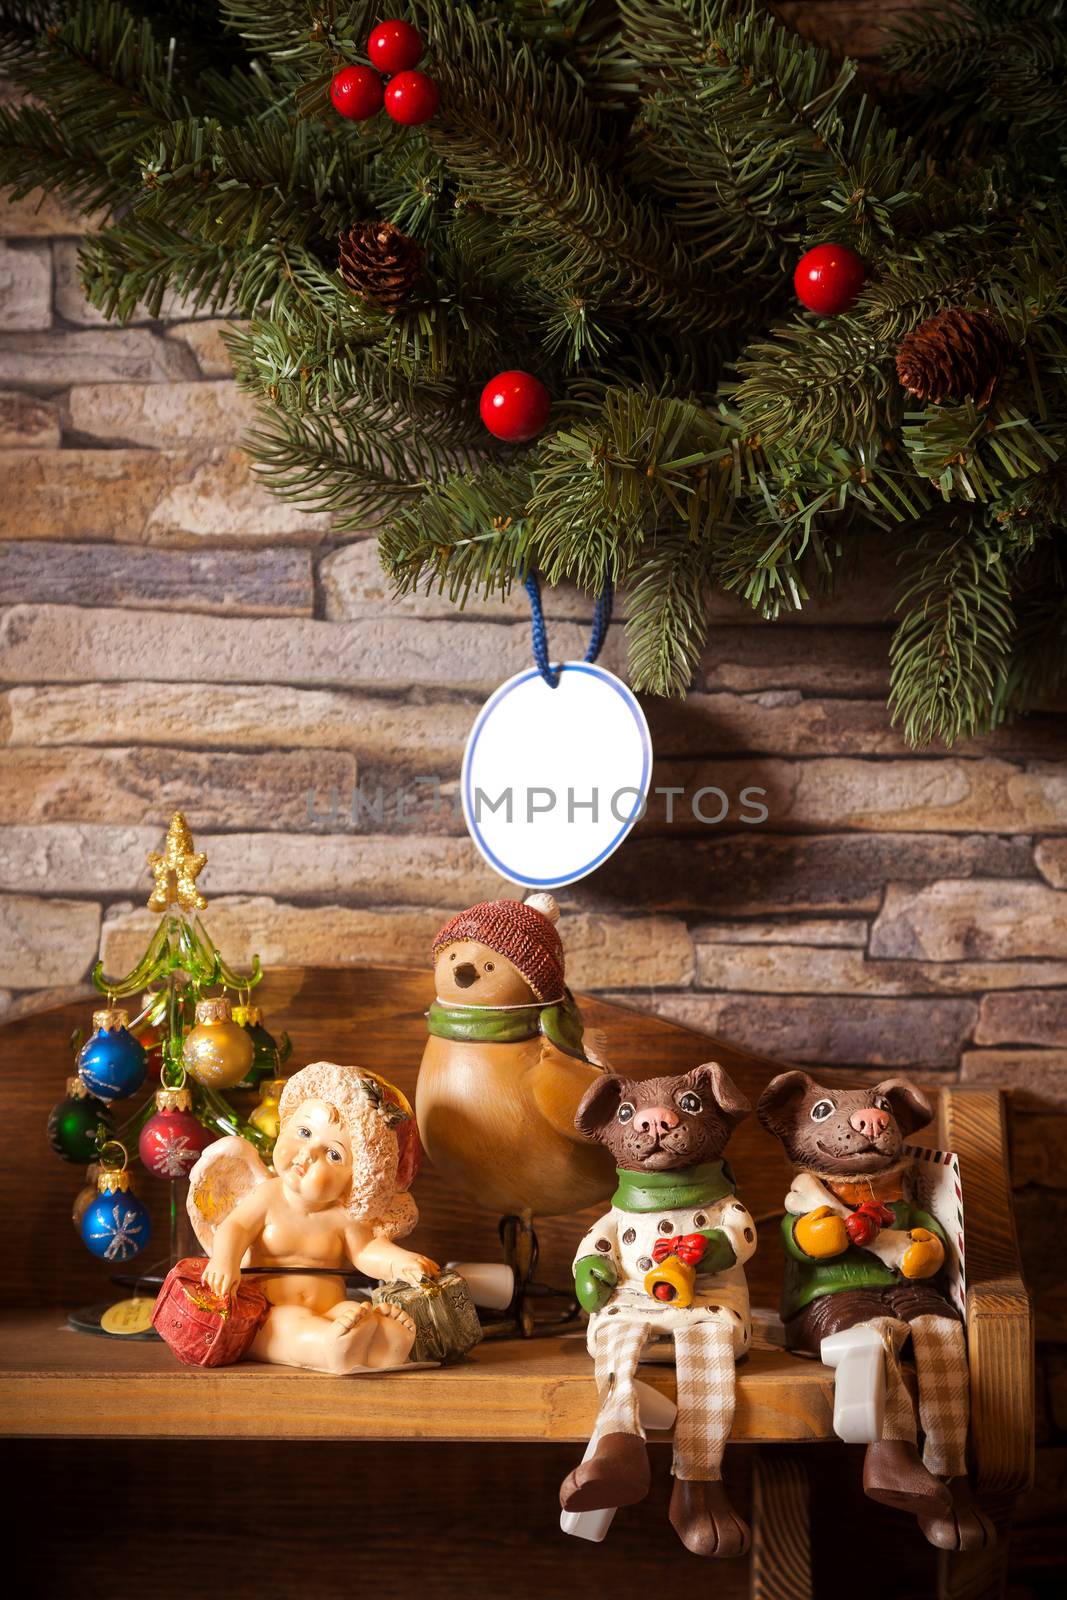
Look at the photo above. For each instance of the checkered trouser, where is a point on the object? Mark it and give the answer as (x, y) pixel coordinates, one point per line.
(704, 1359)
(944, 1389)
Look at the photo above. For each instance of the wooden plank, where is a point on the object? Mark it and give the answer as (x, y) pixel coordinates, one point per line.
(781, 1528)
(55, 1383)
(999, 1316)
(304, 1520)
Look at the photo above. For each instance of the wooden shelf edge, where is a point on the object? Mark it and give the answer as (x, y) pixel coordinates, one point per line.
(56, 1384)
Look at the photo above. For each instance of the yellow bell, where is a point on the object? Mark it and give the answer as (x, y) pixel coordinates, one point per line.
(217, 1052)
(267, 1115)
(671, 1282)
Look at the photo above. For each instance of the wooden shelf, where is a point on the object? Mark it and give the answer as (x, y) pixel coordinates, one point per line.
(55, 1383)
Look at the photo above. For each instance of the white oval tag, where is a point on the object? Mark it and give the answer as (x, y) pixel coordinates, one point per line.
(554, 779)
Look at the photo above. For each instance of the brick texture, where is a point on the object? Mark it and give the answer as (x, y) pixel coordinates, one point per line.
(171, 635)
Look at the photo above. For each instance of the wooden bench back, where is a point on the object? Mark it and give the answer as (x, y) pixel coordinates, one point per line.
(373, 1017)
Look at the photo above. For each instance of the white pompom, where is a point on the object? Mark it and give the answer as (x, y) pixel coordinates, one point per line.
(545, 903)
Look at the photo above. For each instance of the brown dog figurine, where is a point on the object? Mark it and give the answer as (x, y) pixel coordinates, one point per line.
(667, 1258)
(858, 1252)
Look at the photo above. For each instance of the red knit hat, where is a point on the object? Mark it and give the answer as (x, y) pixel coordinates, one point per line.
(523, 931)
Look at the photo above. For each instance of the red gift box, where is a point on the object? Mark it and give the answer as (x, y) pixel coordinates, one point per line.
(201, 1328)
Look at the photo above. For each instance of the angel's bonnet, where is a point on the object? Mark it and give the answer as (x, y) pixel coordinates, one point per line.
(381, 1127)
(385, 1153)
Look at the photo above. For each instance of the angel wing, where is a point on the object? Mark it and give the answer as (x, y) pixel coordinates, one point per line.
(225, 1173)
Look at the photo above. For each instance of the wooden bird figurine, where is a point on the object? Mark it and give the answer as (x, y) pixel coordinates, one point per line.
(506, 1064)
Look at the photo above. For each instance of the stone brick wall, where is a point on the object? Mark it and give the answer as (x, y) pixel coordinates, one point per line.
(172, 636)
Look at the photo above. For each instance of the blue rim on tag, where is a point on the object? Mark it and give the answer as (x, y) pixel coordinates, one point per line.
(511, 849)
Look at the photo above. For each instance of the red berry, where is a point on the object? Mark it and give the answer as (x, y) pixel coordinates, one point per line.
(411, 98)
(515, 406)
(394, 46)
(828, 278)
(356, 93)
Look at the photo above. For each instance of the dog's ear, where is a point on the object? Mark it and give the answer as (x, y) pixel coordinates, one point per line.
(598, 1105)
(716, 1081)
(779, 1102)
(910, 1107)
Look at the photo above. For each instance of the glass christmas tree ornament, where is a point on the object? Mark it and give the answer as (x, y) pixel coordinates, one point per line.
(266, 1116)
(115, 1226)
(172, 1140)
(217, 1051)
(79, 1124)
(85, 1195)
(112, 1063)
(267, 1057)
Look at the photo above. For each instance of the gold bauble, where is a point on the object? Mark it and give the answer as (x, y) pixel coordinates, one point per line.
(85, 1196)
(217, 1052)
(267, 1115)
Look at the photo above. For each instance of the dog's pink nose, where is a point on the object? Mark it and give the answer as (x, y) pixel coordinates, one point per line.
(655, 1119)
(870, 1121)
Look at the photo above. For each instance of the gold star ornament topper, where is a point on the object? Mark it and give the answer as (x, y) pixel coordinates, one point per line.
(176, 870)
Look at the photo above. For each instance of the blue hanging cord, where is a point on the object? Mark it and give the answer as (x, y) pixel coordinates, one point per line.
(539, 633)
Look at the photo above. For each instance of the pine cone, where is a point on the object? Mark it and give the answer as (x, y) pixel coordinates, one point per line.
(955, 355)
(380, 264)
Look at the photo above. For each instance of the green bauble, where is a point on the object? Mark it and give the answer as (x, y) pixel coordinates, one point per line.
(73, 1124)
(266, 1062)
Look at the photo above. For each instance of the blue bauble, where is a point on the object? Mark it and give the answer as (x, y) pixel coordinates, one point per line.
(112, 1064)
(116, 1225)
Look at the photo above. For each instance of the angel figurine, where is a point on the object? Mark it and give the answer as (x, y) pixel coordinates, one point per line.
(346, 1149)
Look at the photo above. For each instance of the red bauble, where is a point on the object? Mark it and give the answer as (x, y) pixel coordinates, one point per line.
(356, 93)
(151, 1041)
(411, 98)
(394, 46)
(828, 278)
(515, 406)
(171, 1143)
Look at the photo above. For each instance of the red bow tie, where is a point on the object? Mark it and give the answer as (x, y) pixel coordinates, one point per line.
(689, 1248)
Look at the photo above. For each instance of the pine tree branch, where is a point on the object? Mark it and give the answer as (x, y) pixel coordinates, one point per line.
(989, 75)
(466, 533)
(38, 152)
(667, 621)
(816, 386)
(246, 186)
(953, 645)
(511, 132)
(364, 460)
(1038, 668)
(975, 454)
(604, 485)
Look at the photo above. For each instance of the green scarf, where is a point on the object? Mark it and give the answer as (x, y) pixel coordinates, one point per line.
(560, 1021)
(680, 1190)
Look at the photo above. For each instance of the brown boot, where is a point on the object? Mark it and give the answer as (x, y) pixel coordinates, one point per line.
(962, 1526)
(705, 1521)
(617, 1475)
(893, 1474)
